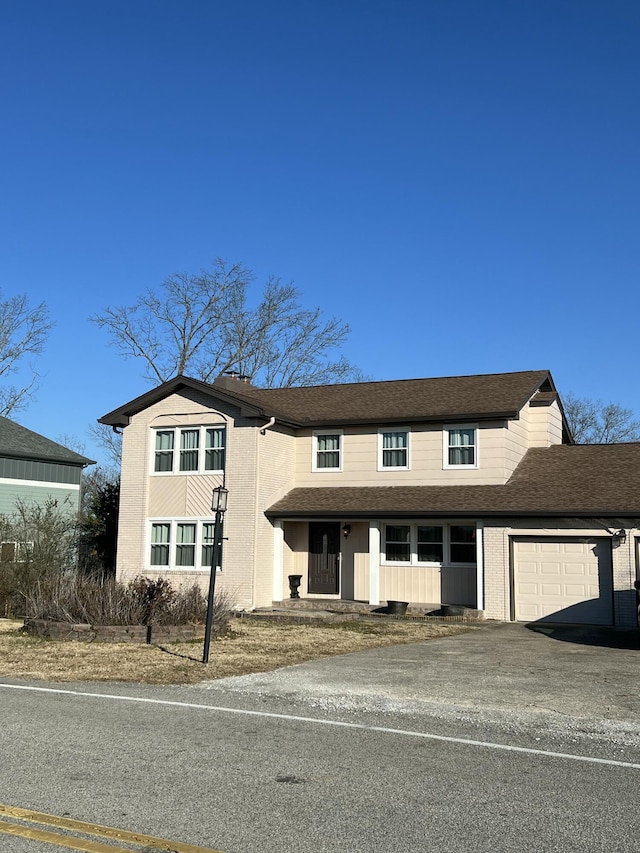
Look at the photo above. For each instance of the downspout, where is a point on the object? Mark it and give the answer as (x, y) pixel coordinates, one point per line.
(263, 431)
(267, 426)
(480, 565)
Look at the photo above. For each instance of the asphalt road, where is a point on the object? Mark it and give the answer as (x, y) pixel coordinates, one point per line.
(496, 740)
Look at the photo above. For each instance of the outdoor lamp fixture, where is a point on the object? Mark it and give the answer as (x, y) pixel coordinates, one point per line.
(346, 530)
(620, 537)
(219, 499)
(219, 507)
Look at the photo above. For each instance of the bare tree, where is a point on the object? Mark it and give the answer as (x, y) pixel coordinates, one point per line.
(203, 324)
(23, 332)
(111, 442)
(594, 422)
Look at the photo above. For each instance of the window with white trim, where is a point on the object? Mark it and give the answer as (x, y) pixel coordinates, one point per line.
(190, 450)
(393, 449)
(461, 447)
(429, 544)
(15, 552)
(160, 544)
(181, 544)
(327, 451)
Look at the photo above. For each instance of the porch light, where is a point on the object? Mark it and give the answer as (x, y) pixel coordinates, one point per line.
(219, 507)
(346, 530)
(620, 537)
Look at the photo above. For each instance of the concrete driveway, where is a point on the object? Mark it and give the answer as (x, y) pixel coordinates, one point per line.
(494, 671)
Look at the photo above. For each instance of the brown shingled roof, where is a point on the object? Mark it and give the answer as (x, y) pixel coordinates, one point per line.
(451, 397)
(486, 396)
(574, 480)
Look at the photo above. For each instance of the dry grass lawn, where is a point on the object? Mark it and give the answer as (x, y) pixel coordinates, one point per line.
(252, 645)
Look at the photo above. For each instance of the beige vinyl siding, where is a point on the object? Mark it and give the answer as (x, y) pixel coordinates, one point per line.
(415, 584)
(275, 453)
(177, 496)
(516, 438)
(361, 576)
(360, 459)
(545, 425)
(296, 540)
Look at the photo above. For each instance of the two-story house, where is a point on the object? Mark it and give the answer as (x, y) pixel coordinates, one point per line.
(460, 490)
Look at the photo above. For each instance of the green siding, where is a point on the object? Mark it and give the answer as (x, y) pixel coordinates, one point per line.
(31, 469)
(31, 493)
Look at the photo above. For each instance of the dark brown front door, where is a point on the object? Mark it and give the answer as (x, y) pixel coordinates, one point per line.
(324, 554)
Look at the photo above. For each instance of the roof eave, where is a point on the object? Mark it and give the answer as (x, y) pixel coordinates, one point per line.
(79, 462)
(448, 417)
(121, 417)
(453, 513)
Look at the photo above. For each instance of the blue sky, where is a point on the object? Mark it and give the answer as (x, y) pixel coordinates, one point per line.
(458, 180)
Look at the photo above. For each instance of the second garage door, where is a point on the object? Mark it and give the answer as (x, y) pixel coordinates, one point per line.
(563, 580)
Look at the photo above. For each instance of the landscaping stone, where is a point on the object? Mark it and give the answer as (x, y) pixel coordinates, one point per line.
(110, 633)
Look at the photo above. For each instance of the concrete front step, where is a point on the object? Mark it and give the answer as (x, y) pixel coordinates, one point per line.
(363, 608)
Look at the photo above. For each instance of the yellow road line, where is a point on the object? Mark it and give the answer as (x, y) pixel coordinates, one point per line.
(97, 830)
(58, 838)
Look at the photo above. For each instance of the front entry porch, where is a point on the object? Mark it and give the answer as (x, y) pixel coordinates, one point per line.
(347, 561)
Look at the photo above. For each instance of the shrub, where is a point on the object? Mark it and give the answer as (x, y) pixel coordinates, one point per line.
(38, 542)
(79, 599)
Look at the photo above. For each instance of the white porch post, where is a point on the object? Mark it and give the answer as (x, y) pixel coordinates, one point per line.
(479, 566)
(278, 559)
(374, 562)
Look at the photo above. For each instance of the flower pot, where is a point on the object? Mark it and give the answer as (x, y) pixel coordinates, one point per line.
(294, 584)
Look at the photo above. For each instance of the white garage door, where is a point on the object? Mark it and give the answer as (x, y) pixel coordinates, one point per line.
(563, 580)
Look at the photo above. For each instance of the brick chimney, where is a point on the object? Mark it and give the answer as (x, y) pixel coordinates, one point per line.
(232, 380)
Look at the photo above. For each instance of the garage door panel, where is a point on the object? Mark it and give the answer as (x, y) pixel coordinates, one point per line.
(563, 580)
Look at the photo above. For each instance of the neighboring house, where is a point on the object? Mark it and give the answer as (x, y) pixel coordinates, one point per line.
(460, 490)
(34, 469)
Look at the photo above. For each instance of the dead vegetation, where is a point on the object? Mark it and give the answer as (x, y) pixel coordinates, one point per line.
(252, 645)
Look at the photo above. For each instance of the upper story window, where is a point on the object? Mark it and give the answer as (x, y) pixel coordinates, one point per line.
(327, 451)
(393, 449)
(461, 447)
(188, 450)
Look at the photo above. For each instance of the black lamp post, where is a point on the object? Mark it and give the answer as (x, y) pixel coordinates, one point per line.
(219, 506)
